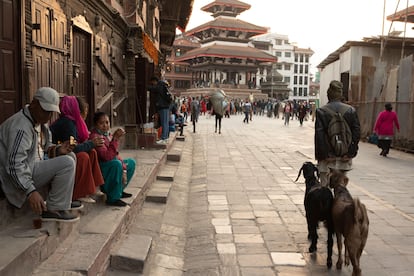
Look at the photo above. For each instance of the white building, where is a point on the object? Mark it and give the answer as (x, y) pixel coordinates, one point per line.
(293, 63)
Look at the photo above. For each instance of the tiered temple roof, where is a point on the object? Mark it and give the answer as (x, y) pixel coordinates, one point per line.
(222, 27)
(226, 7)
(250, 55)
(224, 58)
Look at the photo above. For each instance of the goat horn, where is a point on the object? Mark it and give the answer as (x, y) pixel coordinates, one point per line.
(300, 171)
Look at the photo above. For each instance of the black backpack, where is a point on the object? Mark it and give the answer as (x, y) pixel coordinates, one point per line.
(338, 133)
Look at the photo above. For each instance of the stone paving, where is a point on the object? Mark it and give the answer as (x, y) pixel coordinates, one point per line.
(245, 213)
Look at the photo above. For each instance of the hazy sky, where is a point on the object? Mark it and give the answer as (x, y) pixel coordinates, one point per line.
(322, 25)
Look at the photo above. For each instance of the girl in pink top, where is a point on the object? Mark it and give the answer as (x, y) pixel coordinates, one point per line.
(384, 127)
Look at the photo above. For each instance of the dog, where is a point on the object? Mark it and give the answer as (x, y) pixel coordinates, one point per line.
(318, 204)
(350, 220)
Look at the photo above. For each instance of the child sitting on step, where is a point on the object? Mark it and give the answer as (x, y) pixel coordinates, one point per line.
(117, 172)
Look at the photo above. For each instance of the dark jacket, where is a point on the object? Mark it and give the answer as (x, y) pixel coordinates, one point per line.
(322, 147)
(163, 96)
(63, 128)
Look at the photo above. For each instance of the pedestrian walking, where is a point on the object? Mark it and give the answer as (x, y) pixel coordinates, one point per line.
(218, 118)
(384, 128)
(325, 151)
(301, 112)
(287, 110)
(246, 107)
(195, 111)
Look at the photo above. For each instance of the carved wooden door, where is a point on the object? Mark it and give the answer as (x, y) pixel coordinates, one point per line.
(10, 78)
(49, 46)
(82, 68)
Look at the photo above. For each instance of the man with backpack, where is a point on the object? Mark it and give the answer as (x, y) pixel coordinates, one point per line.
(163, 100)
(337, 133)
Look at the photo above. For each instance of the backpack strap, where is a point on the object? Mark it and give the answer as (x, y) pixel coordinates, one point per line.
(332, 111)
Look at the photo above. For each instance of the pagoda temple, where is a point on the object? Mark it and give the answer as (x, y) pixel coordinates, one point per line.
(225, 60)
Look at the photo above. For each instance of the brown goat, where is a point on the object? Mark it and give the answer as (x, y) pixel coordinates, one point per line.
(350, 220)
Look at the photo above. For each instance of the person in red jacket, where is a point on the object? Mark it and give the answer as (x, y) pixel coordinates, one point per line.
(116, 171)
(384, 128)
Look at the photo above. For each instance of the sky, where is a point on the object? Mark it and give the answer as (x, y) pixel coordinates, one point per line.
(322, 25)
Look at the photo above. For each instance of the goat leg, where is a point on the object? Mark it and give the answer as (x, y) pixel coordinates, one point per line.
(346, 254)
(353, 254)
(339, 243)
(313, 236)
(330, 227)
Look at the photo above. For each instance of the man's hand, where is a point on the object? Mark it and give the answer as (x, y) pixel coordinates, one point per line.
(37, 203)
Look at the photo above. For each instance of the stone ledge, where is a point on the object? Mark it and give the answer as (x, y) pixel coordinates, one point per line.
(174, 156)
(132, 253)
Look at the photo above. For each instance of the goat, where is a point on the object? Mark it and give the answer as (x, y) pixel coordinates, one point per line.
(350, 220)
(318, 203)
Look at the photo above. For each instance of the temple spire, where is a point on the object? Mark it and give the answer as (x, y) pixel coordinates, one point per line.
(231, 8)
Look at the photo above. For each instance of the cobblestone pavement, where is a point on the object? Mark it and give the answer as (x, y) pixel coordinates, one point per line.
(246, 214)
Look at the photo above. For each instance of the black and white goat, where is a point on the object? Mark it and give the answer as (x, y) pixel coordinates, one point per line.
(318, 206)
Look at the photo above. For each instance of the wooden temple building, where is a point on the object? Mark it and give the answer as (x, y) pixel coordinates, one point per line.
(225, 60)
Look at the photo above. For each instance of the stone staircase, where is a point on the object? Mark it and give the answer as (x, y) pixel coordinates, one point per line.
(131, 252)
(94, 243)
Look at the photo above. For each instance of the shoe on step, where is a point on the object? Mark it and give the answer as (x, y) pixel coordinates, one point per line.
(118, 203)
(76, 205)
(126, 195)
(62, 216)
(99, 192)
(87, 199)
(161, 142)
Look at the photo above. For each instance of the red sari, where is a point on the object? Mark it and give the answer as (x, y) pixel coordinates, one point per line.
(88, 174)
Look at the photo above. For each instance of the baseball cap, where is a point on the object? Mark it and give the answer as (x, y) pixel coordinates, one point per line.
(48, 99)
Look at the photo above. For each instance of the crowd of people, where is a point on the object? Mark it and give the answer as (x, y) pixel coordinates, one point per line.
(56, 167)
(190, 108)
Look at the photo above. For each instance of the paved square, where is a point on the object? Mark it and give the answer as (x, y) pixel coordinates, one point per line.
(223, 229)
(220, 221)
(248, 238)
(226, 248)
(286, 258)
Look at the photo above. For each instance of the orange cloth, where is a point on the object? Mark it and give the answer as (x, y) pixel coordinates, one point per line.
(159, 132)
(88, 174)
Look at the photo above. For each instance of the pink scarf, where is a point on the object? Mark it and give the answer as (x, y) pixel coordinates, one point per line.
(69, 108)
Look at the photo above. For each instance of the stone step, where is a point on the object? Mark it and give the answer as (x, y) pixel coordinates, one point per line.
(159, 192)
(24, 248)
(131, 253)
(166, 174)
(88, 253)
(174, 156)
(79, 248)
(180, 138)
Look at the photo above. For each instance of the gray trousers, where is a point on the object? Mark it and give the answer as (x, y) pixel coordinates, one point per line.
(324, 166)
(58, 174)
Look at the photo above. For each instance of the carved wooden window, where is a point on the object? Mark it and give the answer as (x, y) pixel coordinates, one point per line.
(140, 7)
(150, 18)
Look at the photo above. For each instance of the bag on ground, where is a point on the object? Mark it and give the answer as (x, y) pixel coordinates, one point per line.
(373, 139)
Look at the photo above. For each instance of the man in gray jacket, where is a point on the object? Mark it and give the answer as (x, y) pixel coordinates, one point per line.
(24, 170)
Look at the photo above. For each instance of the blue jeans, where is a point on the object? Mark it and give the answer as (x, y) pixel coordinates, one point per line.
(164, 114)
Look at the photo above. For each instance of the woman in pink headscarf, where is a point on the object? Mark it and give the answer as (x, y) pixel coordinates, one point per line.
(72, 123)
